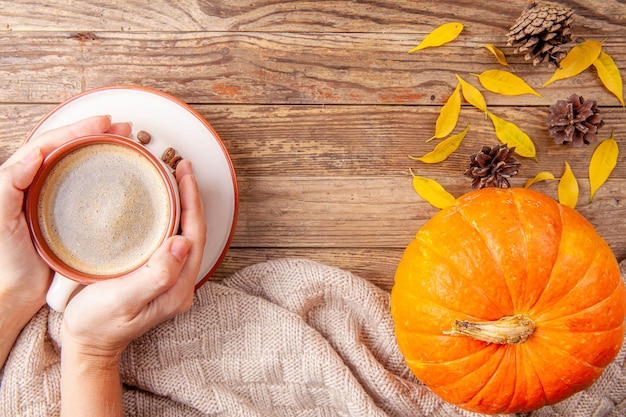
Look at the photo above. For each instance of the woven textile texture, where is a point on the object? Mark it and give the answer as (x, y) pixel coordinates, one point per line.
(281, 338)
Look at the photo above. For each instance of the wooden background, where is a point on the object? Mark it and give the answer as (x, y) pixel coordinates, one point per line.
(318, 104)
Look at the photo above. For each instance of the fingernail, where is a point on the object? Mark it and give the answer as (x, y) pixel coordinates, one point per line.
(184, 162)
(180, 247)
(186, 166)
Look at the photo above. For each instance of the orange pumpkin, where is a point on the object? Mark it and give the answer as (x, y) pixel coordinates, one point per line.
(508, 301)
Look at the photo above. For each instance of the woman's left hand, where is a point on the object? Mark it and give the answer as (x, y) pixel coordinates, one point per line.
(25, 277)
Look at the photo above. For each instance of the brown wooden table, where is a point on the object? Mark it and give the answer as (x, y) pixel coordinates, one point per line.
(318, 104)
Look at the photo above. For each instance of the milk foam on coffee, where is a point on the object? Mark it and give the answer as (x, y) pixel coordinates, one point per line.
(104, 209)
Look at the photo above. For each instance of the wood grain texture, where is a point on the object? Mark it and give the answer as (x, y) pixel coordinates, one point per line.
(378, 264)
(377, 16)
(318, 104)
(276, 68)
(326, 141)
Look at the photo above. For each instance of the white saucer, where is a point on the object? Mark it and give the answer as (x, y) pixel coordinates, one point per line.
(171, 123)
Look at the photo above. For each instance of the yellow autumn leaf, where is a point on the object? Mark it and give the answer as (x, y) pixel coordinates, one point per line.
(568, 188)
(496, 52)
(441, 35)
(542, 176)
(444, 149)
(578, 59)
(510, 134)
(433, 192)
(603, 161)
(472, 95)
(505, 82)
(449, 115)
(609, 75)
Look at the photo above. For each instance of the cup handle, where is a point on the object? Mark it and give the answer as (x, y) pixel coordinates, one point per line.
(60, 292)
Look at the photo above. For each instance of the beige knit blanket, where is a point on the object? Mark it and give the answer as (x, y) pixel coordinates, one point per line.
(281, 338)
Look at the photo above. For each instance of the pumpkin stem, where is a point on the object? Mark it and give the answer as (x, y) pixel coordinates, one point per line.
(510, 330)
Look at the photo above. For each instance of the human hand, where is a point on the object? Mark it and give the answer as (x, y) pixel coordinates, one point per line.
(102, 319)
(25, 277)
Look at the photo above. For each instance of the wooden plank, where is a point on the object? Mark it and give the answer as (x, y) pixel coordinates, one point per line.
(309, 141)
(376, 140)
(276, 68)
(355, 140)
(600, 18)
(375, 212)
(375, 265)
(328, 211)
(15, 123)
(275, 229)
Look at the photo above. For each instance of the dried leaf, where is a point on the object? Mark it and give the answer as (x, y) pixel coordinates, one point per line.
(497, 53)
(568, 188)
(443, 34)
(578, 59)
(542, 176)
(444, 149)
(603, 161)
(449, 115)
(609, 75)
(506, 83)
(433, 192)
(472, 95)
(510, 134)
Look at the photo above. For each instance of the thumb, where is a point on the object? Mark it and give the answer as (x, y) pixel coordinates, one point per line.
(159, 274)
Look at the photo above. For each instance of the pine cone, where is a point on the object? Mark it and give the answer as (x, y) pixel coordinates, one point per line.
(491, 167)
(541, 31)
(574, 121)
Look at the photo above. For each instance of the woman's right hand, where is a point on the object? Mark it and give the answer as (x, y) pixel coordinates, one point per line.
(102, 319)
(105, 317)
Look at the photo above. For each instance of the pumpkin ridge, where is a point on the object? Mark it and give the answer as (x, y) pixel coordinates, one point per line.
(544, 370)
(439, 304)
(547, 344)
(582, 311)
(524, 294)
(547, 284)
(483, 239)
(462, 358)
(527, 220)
(599, 366)
(471, 374)
(598, 332)
(466, 278)
(556, 261)
(514, 390)
(526, 362)
(617, 287)
(515, 353)
(409, 294)
(594, 347)
(552, 355)
(491, 377)
(550, 347)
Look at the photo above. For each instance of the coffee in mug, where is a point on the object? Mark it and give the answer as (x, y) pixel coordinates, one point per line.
(98, 208)
(103, 209)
